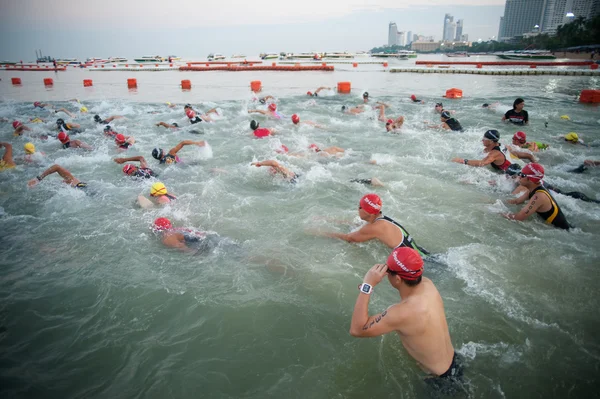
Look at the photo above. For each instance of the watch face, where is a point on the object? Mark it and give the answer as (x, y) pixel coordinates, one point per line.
(366, 288)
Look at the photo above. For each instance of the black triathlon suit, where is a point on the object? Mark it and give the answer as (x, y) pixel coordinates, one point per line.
(554, 216)
(454, 125)
(407, 240)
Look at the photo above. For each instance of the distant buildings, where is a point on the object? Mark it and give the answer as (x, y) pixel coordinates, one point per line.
(392, 34)
(449, 28)
(409, 37)
(542, 16)
(459, 30)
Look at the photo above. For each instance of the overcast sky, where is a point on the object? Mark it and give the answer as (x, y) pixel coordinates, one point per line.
(194, 28)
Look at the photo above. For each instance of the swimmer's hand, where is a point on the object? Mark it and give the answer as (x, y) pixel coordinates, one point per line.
(375, 274)
(458, 160)
(32, 182)
(509, 216)
(257, 164)
(119, 160)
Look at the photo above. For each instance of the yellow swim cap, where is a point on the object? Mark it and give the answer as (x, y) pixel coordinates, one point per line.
(158, 189)
(168, 103)
(83, 109)
(36, 120)
(565, 117)
(572, 136)
(29, 148)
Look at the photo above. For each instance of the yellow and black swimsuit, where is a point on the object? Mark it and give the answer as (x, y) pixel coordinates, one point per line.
(5, 166)
(554, 216)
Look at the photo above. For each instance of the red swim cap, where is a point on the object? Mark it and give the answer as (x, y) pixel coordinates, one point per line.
(128, 169)
(413, 97)
(308, 93)
(390, 122)
(314, 147)
(190, 113)
(273, 107)
(282, 150)
(120, 138)
(371, 203)
(63, 137)
(162, 224)
(262, 132)
(16, 124)
(36, 104)
(520, 137)
(406, 262)
(534, 172)
(295, 119)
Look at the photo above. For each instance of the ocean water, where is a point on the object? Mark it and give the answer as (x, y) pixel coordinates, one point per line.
(93, 305)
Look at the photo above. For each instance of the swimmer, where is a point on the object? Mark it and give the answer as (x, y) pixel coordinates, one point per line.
(392, 125)
(277, 168)
(416, 100)
(296, 121)
(418, 319)
(519, 139)
(261, 132)
(263, 100)
(316, 92)
(439, 108)
(68, 143)
(490, 106)
(124, 142)
(108, 131)
(272, 111)
(168, 125)
(142, 171)
(573, 138)
(108, 120)
(329, 151)
(37, 120)
(68, 178)
(38, 104)
(378, 226)
(592, 163)
(31, 156)
(171, 156)
(517, 115)
(7, 161)
(448, 123)
(83, 110)
(359, 109)
(19, 128)
(158, 196)
(66, 127)
(498, 159)
(540, 200)
(197, 117)
(171, 105)
(365, 97)
(176, 237)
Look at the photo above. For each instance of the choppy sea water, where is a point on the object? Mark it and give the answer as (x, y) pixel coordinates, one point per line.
(92, 304)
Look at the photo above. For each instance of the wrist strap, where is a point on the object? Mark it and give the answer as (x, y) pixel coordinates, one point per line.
(39, 178)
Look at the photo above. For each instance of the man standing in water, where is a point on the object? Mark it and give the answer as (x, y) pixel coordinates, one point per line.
(418, 319)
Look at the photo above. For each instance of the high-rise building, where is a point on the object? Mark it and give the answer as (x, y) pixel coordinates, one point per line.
(520, 16)
(555, 12)
(448, 33)
(409, 37)
(401, 39)
(392, 34)
(459, 30)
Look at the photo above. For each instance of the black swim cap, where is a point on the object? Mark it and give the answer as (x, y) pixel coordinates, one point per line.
(157, 153)
(254, 125)
(439, 105)
(485, 105)
(366, 94)
(513, 169)
(446, 114)
(174, 124)
(262, 101)
(107, 128)
(187, 106)
(97, 118)
(492, 135)
(60, 122)
(343, 108)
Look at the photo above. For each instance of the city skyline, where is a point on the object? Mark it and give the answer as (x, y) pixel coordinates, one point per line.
(77, 30)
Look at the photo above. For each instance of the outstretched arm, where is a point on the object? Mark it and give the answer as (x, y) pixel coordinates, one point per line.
(527, 210)
(163, 124)
(474, 162)
(8, 153)
(277, 166)
(138, 158)
(179, 146)
(65, 174)
(322, 88)
(257, 111)
(366, 233)
(65, 111)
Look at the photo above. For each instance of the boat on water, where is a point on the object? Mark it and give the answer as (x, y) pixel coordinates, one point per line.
(527, 55)
(362, 54)
(8, 63)
(117, 59)
(147, 58)
(401, 55)
(173, 58)
(96, 60)
(68, 61)
(460, 54)
(339, 55)
(268, 56)
(215, 57)
(238, 56)
(313, 55)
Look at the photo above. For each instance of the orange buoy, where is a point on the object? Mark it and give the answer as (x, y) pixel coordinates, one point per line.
(385, 64)
(171, 65)
(479, 66)
(589, 96)
(114, 66)
(126, 65)
(273, 64)
(186, 85)
(344, 87)
(87, 82)
(101, 66)
(48, 82)
(354, 64)
(594, 66)
(16, 81)
(532, 66)
(256, 86)
(454, 93)
(132, 83)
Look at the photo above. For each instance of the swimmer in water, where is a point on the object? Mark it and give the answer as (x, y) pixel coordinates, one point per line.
(109, 132)
(329, 151)
(573, 138)
(448, 123)
(296, 121)
(176, 237)
(439, 108)
(353, 110)
(390, 124)
(272, 111)
(51, 108)
(497, 157)
(316, 92)
(19, 128)
(142, 171)
(416, 100)
(418, 319)
(263, 100)
(378, 226)
(171, 156)
(540, 200)
(261, 132)
(519, 140)
(168, 125)
(7, 161)
(517, 115)
(68, 143)
(197, 117)
(490, 106)
(108, 120)
(62, 126)
(31, 156)
(124, 142)
(68, 178)
(277, 168)
(158, 196)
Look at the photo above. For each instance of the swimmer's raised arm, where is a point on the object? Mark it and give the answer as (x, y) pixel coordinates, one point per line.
(257, 111)
(138, 158)
(322, 88)
(179, 146)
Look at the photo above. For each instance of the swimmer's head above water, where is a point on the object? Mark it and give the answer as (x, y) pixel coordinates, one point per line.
(162, 224)
(314, 147)
(295, 119)
(273, 107)
(157, 153)
(16, 124)
(254, 125)
(371, 204)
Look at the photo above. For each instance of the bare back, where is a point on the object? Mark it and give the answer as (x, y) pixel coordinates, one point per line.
(423, 328)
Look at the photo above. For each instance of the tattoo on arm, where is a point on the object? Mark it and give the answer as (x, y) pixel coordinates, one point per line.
(530, 206)
(376, 320)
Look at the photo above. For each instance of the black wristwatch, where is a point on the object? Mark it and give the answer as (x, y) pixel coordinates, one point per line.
(39, 178)
(466, 161)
